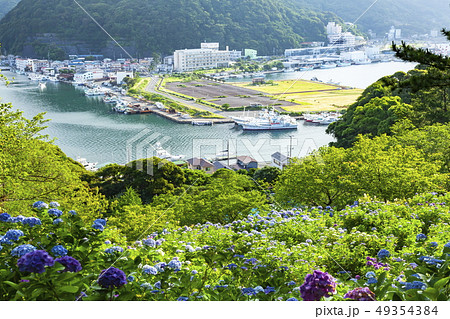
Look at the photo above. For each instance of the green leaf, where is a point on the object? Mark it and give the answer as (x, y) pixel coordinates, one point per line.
(441, 283)
(12, 284)
(71, 289)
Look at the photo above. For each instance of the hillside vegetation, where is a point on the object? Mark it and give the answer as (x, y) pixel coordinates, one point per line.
(412, 16)
(144, 26)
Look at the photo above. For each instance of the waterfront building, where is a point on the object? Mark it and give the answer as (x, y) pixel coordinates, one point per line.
(122, 75)
(353, 56)
(23, 64)
(207, 57)
(246, 162)
(83, 77)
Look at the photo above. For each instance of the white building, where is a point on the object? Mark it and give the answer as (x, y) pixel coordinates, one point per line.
(207, 57)
(97, 74)
(345, 39)
(22, 64)
(38, 65)
(333, 28)
(353, 56)
(83, 77)
(122, 75)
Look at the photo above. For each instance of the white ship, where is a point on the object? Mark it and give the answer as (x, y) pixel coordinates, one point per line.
(283, 122)
(87, 165)
(162, 153)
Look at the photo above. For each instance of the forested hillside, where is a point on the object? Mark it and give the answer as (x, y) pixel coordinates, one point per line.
(162, 26)
(412, 16)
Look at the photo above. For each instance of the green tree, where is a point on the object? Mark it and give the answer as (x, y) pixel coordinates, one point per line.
(34, 169)
(267, 174)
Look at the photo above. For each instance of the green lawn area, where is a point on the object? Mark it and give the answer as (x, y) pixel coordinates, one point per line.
(322, 101)
(287, 86)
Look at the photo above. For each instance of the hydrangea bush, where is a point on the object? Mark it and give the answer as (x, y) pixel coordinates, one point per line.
(367, 251)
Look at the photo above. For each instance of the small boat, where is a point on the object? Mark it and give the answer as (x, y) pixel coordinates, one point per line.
(162, 153)
(306, 68)
(363, 62)
(282, 122)
(201, 123)
(328, 66)
(87, 165)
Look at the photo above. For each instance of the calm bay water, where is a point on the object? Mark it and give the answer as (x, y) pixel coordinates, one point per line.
(86, 127)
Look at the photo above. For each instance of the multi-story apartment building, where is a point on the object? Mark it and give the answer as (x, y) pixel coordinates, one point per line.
(207, 57)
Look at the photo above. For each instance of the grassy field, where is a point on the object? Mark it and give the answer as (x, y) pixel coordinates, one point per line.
(310, 96)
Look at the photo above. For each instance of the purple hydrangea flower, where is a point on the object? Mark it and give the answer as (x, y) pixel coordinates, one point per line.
(112, 277)
(35, 261)
(40, 205)
(268, 290)
(59, 251)
(55, 212)
(21, 250)
(360, 294)
(150, 242)
(231, 266)
(317, 285)
(71, 264)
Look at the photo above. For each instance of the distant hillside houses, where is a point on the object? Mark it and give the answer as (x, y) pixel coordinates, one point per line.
(207, 57)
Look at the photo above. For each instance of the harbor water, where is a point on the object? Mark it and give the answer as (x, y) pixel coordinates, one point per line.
(86, 127)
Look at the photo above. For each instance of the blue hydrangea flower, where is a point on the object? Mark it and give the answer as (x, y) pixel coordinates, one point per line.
(447, 245)
(72, 212)
(1, 247)
(231, 266)
(189, 248)
(149, 242)
(5, 241)
(268, 290)
(100, 221)
(259, 289)
(147, 286)
(433, 244)
(55, 212)
(57, 221)
(292, 299)
(149, 270)
(174, 264)
(414, 285)
(5, 217)
(40, 205)
(17, 219)
(112, 277)
(182, 299)
(161, 266)
(53, 204)
(32, 221)
(114, 249)
(372, 281)
(98, 226)
(14, 234)
(421, 237)
(383, 253)
(21, 250)
(35, 261)
(130, 278)
(194, 272)
(370, 274)
(71, 264)
(59, 251)
(291, 283)
(158, 285)
(248, 291)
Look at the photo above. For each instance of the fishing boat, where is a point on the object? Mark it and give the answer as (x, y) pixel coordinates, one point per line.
(282, 122)
(164, 154)
(328, 66)
(87, 165)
